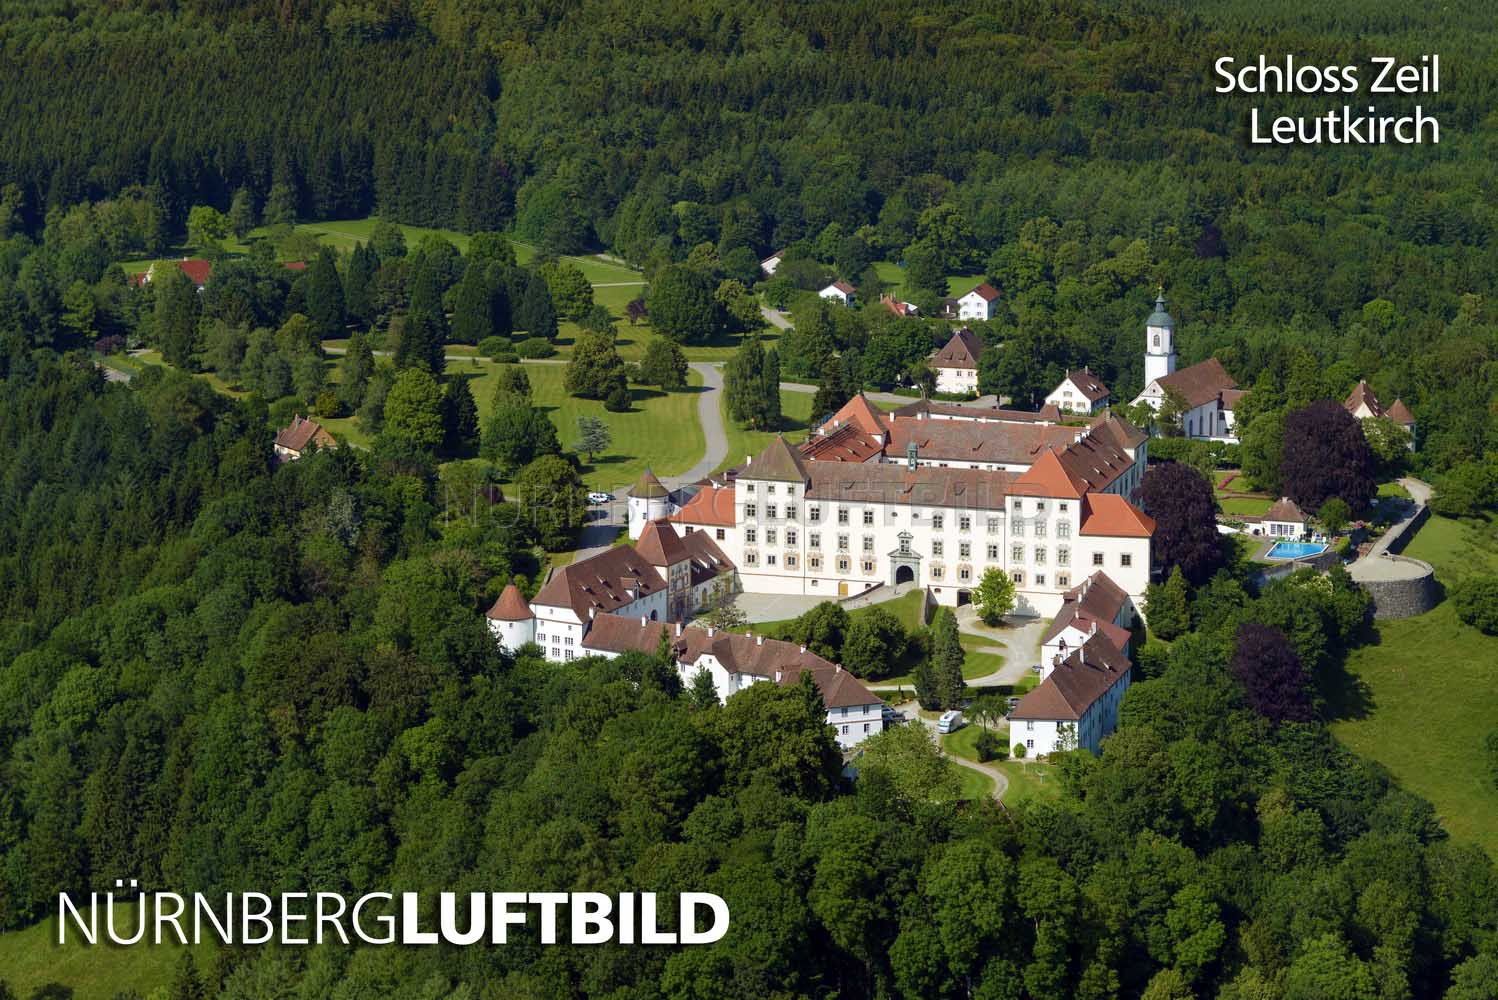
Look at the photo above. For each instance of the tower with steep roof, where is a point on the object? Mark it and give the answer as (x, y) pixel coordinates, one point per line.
(511, 619)
(648, 500)
(1159, 342)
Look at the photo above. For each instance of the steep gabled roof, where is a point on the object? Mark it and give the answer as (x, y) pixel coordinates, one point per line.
(648, 486)
(845, 444)
(1200, 383)
(962, 351)
(779, 462)
(1088, 384)
(1049, 477)
(840, 286)
(601, 583)
(1096, 598)
(860, 413)
(1400, 414)
(984, 291)
(1123, 435)
(1111, 515)
(1362, 395)
(302, 432)
(510, 607)
(1075, 683)
(660, 545)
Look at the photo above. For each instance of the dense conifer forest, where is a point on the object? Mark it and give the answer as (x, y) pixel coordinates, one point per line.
(218, 674)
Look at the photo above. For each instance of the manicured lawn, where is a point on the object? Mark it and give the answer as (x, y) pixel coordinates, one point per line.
(1029, 779)
(1427, 692)
(1392, 489)
(1248, 506)
(661, 431)
(31, 958)
(892, 276)
(963, 743)
(973, 785)
(795, 408)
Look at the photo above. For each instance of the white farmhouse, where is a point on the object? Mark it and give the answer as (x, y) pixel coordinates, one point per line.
(735, 662)
(956, 364)
(981, 303)
(1080, 392)
(840, 292)
(1076, 702)
(770, 263)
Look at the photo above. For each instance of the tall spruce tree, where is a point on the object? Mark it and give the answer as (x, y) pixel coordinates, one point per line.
(325, 300)
(473, 309)
(354, 372)
(460, 419)
(771, 390)
(358, 284)
(425, 328)
(744, 383)
(536, 315)
(833, 392)
(946, 659)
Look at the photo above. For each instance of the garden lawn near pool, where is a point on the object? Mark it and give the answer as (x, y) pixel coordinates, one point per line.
(1426, 691)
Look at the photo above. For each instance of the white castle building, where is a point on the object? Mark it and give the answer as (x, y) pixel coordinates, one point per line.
(917, 496)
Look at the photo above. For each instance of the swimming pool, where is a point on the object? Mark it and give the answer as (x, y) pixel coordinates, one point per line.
(1294, 550)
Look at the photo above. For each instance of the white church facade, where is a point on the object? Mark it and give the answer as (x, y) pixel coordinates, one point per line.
(1205, 393)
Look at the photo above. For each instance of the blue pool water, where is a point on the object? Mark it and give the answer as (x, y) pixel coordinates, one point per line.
(1294, 550)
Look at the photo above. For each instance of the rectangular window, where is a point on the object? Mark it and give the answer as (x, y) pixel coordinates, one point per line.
(865, 727)
(937, 520)
(1063, 529)
(964, 550)
(751, 559)
(868, 516)
(770, 511)
(1030, 744)
(814, 561)
(842, 565)
(1040, 579)
(1039, 529)
(1017, 528)
(750, 536)
(868, 567)
(1017, 507)
(1040, 555)
(814, 514)
(750, 510)
(1040, 506)
(1018, 578)
(770, 559)
(936, 572)
(993, 526)
(1063, 506)
(963, 573)
(1029, 727)
(556, 652)
(769, 536)
(1063, 580)
(721, 534)
(790, 536)
(790, 562)
(868, 543)
(842, 515)
(1126, 559)
(814, 539)
(1017, 553)
(690, 529)
(842, 543)
(770, 489)
(1063, 556)
(1097, 558)
(570, 654)
(749, 488)
(964, 523)
(993, 552)
(540, 638)
(936, 547)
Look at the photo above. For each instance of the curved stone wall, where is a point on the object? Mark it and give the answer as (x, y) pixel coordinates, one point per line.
(1401, 587)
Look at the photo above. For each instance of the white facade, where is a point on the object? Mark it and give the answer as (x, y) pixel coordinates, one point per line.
(1047, 736)
(958, 381)
(513, 634)
(1208, 421)
(791, 545)
(1069, 398)
(842, 296)
(973, 305)
(559, 631)
(1283, 529)
(1159, 343)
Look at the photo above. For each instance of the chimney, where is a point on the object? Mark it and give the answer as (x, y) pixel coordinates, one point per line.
(778, 675)
(592, 613)
(710, 631)
(644, 621)
(759, 640)
(678, 628)
(837, 668)
(803, 649)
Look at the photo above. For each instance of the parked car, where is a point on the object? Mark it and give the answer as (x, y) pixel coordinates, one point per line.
(891, 717)
(600, 497)
(950, 722)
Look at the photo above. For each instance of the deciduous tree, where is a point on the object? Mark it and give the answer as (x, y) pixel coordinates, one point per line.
(1325, 455)
(1180, 500)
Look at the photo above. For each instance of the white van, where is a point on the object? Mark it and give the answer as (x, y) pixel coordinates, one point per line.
(950, 722)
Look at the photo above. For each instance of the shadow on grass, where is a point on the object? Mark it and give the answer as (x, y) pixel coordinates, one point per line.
(1344, 695)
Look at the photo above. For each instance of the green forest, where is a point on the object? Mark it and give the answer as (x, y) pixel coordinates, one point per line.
(217, 673)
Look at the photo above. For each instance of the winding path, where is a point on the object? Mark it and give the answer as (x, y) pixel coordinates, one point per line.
(911, 711)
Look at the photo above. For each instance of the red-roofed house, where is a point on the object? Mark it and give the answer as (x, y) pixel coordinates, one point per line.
(1075, 705)
(840, 292)
(293, 440)
(197, 270)
(980, 303)
(1080, 392)
(956, 364)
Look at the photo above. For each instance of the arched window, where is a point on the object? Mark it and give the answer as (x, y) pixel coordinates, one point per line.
(1157, 340)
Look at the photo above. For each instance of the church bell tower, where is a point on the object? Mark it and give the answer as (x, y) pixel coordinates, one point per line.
(1159, 342)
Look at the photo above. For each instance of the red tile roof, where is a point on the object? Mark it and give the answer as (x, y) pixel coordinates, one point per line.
(1049, 477)
(862, 414)
(1112, 515)
(511, 606)
(989, 442)
(1096, 598)
(1199, 383)
(927, 486)
(843, 287)
(1076, 683)
(197, 269)
(1400, 414)
(1362, 394)
(1047, 414)
(660, 545)
(778, 462)
(962, 351)
(1284, 509)
(711, 507)
(985, 291)
(845, 444)
(302, 432)
(601, 584)
(1087, 384)
(648, 486)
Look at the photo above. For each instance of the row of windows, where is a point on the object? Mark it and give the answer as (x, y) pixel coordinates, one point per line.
(1063, 580)
(790, 489)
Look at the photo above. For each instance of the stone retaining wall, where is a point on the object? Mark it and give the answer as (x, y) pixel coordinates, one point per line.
(1403, 598)
(1400, 534)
